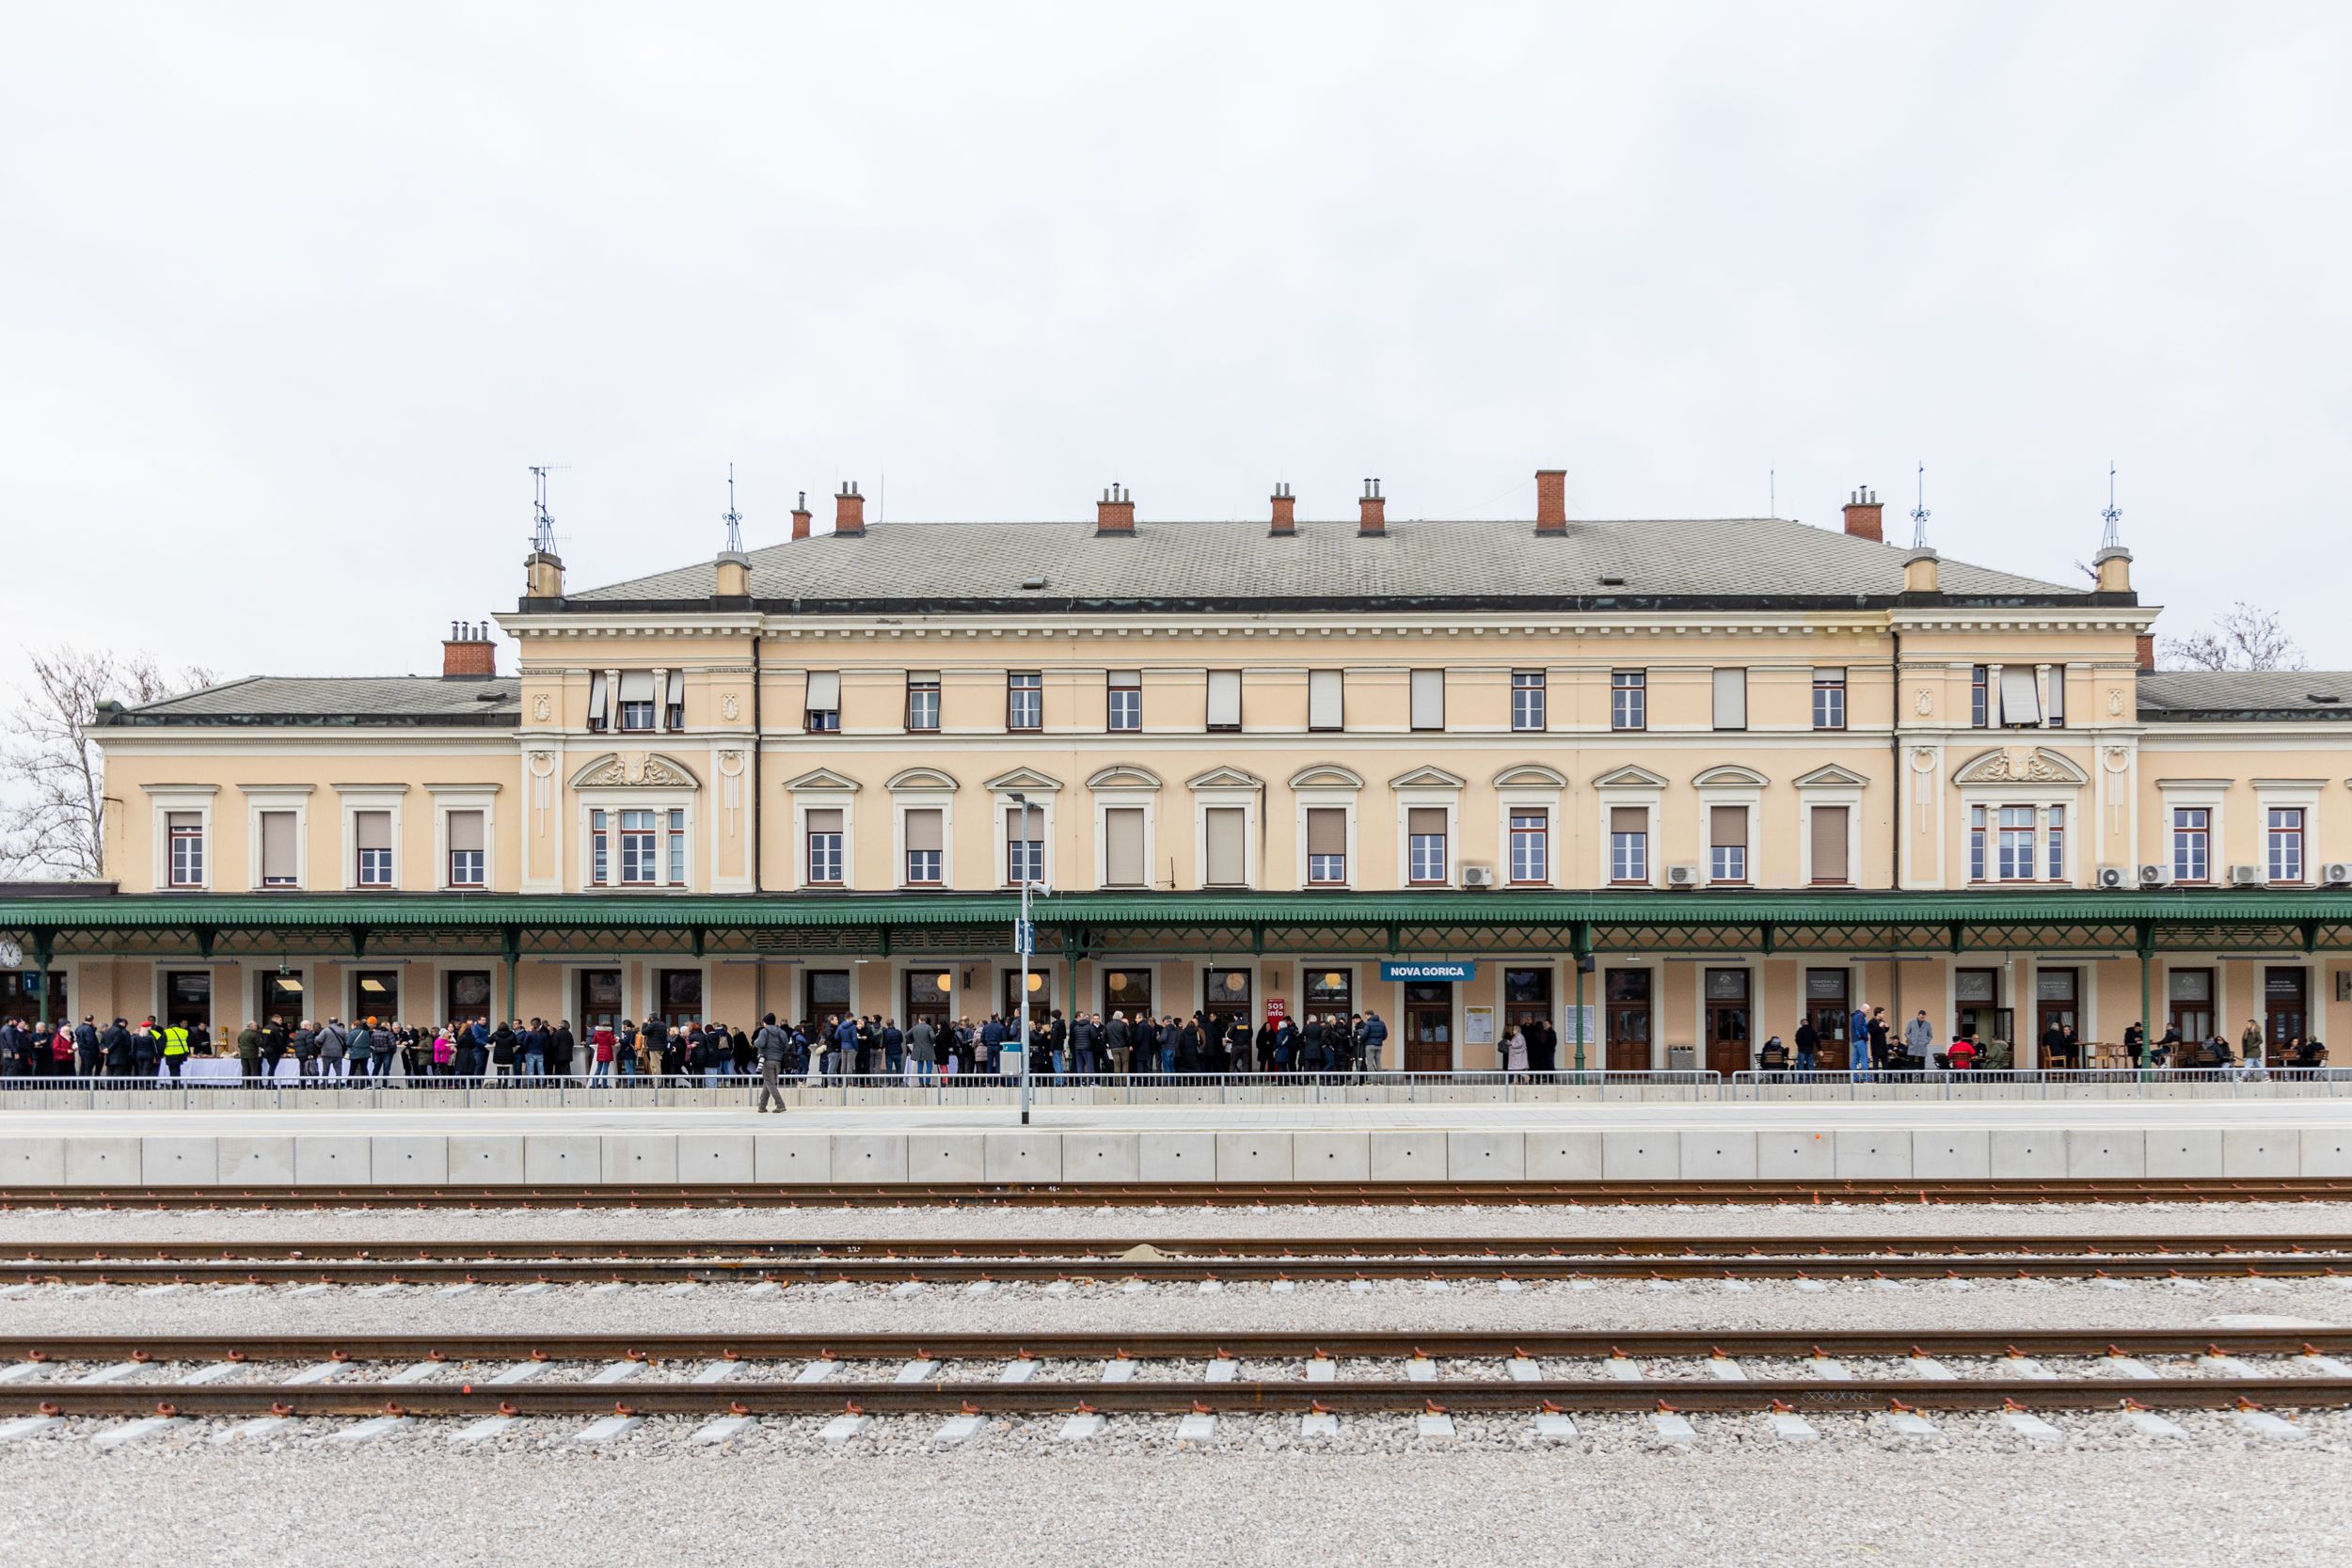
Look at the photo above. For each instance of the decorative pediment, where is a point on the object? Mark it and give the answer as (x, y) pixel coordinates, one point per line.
(822, 778)
(1531, 775)
(919, 778)
(1425, 778)
(1830, 777)
(1125, 775)
(1225, 778)
(635, 770)
(1629, 777)
(1027, 780)
(1731, 773)
(2019, 764)
(1327, 775)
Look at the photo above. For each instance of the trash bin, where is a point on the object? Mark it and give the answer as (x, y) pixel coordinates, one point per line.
(1682, 1059)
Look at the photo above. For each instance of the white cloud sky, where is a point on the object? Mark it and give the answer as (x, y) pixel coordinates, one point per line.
(290, 295)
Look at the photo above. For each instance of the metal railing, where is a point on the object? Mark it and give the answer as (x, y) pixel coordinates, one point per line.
(2252, 1080)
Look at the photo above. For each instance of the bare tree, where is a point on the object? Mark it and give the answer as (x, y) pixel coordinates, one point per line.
(52, 775)
(2244, 637)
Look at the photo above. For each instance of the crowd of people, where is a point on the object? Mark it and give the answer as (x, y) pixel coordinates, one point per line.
(522, 1052)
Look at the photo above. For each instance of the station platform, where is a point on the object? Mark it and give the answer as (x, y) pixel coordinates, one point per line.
(1928, 1140)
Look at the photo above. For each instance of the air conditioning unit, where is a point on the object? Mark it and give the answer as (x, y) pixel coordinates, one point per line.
(2336, 873)
(2155, 876)
(1478, 875)
(2114, 878)
(1682, 876)
(2246, 876)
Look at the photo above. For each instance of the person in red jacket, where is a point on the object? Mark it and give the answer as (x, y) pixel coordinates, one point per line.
(1964, 1054)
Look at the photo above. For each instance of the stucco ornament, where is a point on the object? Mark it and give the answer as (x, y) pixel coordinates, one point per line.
(539, 708)
(1923, 702)
(729, 708)
(636, 768)
(2018, 765)
(2115, 700)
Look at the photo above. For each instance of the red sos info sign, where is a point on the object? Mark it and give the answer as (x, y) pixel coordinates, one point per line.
(1277, 1008)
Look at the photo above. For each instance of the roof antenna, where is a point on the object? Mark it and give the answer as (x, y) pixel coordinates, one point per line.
(1772, 492)
(734, 519)
(543, 534)
(1919, 513)
(2113, 538)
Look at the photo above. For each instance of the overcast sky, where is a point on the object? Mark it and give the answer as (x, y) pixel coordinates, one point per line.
(291, 296)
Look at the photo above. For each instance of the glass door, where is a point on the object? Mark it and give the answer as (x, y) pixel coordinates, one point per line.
(1626, 1004)
(1727, 1031)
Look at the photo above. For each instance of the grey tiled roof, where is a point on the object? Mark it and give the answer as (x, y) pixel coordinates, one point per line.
(1238, 564)
(356, 699)
(2178, 694)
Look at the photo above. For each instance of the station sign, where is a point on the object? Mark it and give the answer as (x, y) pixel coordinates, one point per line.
(1408, 968)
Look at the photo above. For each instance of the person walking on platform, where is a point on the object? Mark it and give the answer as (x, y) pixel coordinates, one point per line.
(771, 1043)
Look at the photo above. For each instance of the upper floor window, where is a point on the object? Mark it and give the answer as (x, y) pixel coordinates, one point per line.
(1979, 697)
(2192, 843)
(186, 854)
(823, 713)
(637, 699)
(1528, 708)
(922, 700)
(632, 844)
(1225, 698)
(1326, 693)
(2283, 844)
(1428, 699)
(467, 856)
(927, 840)
(1629, 700)
(599, 701)
(1727, 843)
(2055, 711)
(1829, 699)
(1731, 699)
(1125, 698)
(2017, 844)
(1831, 867)
(1628, 844)
(1024, 845)
(1326, 845)
(1024, 702)
(1531, 847)
(279, 859)
(2021, 705)
(1225, 851)
(372, 832)
(1424, 845)
(673, 824)
(674, 702)
(825, 845)
(1123, 846)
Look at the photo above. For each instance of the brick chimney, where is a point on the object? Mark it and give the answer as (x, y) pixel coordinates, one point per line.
(1116, 512)
(468, 651)
(2144, 648)
(1375, 524)
(1551, 500)
(800, 517)
(1285, 513)
(848, 511)
(1864, 516)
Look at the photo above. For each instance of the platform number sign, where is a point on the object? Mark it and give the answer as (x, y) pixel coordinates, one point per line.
(1025, 936)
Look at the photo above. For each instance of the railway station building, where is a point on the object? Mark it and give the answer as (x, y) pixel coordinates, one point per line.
(1671, 784)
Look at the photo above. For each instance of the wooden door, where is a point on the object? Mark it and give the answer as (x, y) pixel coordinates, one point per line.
(1828, 1004)
(2285, 1002)
(1728, 1021)
(2055, 1000)
(1626, 1009)
(1429, 1027)
(2189, 995)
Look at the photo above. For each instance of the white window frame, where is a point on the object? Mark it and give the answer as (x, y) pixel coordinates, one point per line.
(352, 801)
(817, 685)
(2041, 800)
(268, 797)
(1743, 798)
(1125, 799)
(1646, 798)
(1043, 802)
(1639, 692)
(1836, 690)
(1112, 687)
(1325, 798)
(1416, 680)
(1224, 796)
(1224, 690)
(162, 800)
(1714, 694)
(2301, 795)
(904, 801)
(2209, 796)
(1848, 796)
(842, 800)
(1522, 798)
(1542, 689)
(1335, 682)
(1448, 801)
(471, 796)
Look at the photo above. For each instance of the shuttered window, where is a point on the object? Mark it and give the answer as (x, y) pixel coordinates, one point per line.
(1326, 845)
(1324, 708)
(1728, 844)
(1424, 845)
(278, 848)
(371, 832)
(1225, 698)
(824, 844)
(1024, 846)
(927, 842)
(1628, 844)
(1731, 699)
(597, 698)
(467, 849)
(1228, 846)
(1428, 688)
(637, 699)
(824, 700)
(1829, 845)
(2019, 705)
(1123, 846)
(674, 702)
(186, 832)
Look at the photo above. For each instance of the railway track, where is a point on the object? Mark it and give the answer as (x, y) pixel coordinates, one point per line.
(1192, 1195)
(493, 1380)
(979, 1262)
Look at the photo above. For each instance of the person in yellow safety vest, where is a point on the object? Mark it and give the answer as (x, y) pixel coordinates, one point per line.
(175, 1047)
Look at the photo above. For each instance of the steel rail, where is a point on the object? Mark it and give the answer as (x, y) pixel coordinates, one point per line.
(894, 1194)
(1433, 1248)
(1857, 1397)
(943, 1271)
(460, 1346)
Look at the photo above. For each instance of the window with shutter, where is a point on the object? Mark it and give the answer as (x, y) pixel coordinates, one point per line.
(2020, 707)
(674, 702)
(1225, 698)
(467, 852)
(1728, 844)
(927, 840)
(185, 829)
(597, 698)
(1323, 690)
(1829, 845)
(824, 700)
(1425, 859)
(1428, 699)
(1228, 846)
(1326, 845)
(1628, 844)
(371, 832)
(1024, 845)
(1731, 699)
(278, 848)
(1123, 846)
(637, 699)
(824, 844)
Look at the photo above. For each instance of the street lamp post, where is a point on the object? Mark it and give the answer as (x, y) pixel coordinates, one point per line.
(1023, 942)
